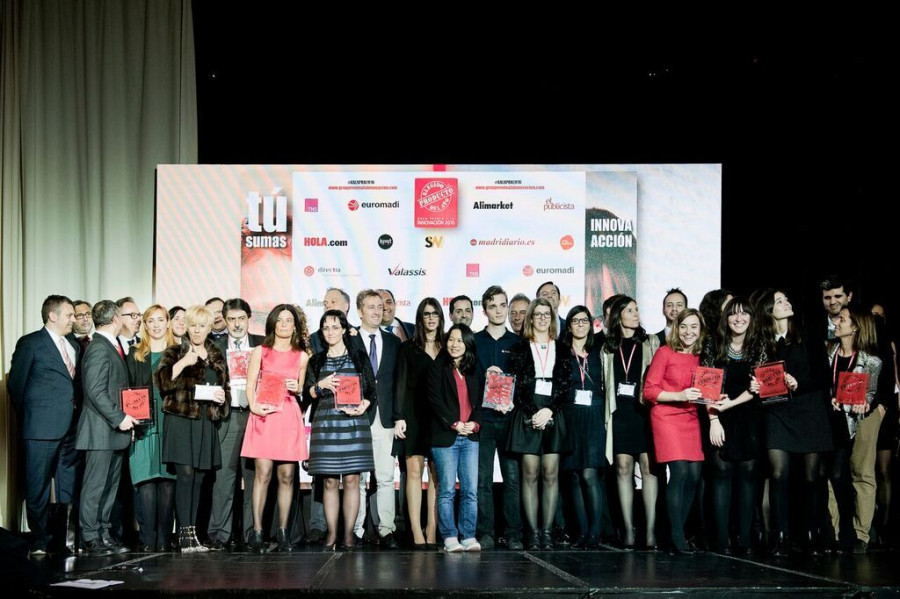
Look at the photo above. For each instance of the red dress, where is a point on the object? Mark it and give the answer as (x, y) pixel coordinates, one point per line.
(279, 436)
(676, 426)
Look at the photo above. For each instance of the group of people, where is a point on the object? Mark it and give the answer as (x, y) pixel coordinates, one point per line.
(566, 401)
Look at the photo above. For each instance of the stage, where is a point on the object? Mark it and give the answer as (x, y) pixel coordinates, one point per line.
(498, 573)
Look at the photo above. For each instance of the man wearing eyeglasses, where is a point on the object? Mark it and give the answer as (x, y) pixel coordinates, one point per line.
(131, 323)
(492, 345)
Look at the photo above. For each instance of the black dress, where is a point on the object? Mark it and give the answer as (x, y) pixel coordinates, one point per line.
(742, 424)
(801, 424)
(192, 441)
(631, 420)
(411, 400)
(523, 438)
(585, 423)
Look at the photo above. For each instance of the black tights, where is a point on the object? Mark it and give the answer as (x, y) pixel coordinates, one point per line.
(728, 478)
(187, 493)
(779, 464)
(587, 485)
(155, 503)
(680, 493)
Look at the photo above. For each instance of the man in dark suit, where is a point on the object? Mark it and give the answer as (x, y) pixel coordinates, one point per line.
(674, 303)
(43, 388)
(382, 349)
(550, 292)
(389, 321)
(104, 430)
(235, 345)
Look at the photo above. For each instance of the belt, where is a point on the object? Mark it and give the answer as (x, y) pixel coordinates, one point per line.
(240, 409)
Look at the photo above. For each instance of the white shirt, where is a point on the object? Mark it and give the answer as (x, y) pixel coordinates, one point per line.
(367, 340)
(69, 349)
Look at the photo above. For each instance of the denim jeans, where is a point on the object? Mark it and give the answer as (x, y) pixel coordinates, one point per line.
(458, 460)
(492, 438)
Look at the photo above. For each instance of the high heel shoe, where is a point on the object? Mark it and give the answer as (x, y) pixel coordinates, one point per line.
(283, 540)
(195, 542)
(256, 542)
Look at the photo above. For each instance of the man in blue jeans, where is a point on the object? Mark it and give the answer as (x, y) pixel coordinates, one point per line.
(492, 345)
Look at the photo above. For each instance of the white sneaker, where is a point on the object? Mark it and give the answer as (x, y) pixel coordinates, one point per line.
(452, 545)
(471, 544)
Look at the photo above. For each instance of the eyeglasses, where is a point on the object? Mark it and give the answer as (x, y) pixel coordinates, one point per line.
(541, 315)
(131, 315)
(86, 315)
(430, 314)
(580, 320)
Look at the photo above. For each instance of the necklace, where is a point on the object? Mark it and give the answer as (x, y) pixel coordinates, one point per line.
(735, 354)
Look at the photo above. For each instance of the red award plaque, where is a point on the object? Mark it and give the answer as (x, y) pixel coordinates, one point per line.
(498, 391)
(237, 366)
(348, 392)
(709, 382)
(270, 391)
(772, 388)
(851, 388)
(136, 403)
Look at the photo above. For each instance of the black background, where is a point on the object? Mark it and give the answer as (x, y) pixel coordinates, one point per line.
(797, 110)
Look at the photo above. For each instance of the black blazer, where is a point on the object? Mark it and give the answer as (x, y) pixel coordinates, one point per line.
(444, 401)
(384, 378)
(521, 364)
(40, 387)
(360, 362)
(105, 376)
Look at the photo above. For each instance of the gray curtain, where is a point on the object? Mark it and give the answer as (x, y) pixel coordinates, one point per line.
(94, 94)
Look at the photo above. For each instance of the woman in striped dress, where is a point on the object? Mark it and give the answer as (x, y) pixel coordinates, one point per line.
(340, 439)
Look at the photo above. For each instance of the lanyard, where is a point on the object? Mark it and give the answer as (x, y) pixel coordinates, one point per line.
(544, 361)
(627, 367)
(582, 369)
(834, 375)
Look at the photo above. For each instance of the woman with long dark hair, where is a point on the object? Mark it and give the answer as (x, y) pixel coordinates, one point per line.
(676, 427)
(454, 392)
(798, 426)
(340, 445)
(538, 430)
(412, 416)
(627, 353)
(734, 444)
(587, 427)
(276, 436)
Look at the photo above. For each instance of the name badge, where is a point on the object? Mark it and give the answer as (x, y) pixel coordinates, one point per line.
(583, 397)
(543, 387)
(626, 389)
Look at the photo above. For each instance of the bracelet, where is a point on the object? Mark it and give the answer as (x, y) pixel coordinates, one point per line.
(318, 390)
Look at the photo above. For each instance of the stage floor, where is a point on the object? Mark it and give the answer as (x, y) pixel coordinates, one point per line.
(498, 573)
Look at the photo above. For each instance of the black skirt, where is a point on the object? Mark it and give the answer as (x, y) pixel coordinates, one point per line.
(523, 438)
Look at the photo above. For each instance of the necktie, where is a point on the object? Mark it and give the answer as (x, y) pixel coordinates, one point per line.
(237, 345)
(121, 351)
(373, 353)
(132, 341)
(390, 328)
(65, 356)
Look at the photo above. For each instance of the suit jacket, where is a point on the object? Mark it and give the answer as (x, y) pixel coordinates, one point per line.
(408, 328)
(661, 335)
(384, 378)
(444, 401)
(40, 387)
(104, 376)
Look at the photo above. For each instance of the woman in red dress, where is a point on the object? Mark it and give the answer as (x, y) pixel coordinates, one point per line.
(674, 420)
(276, 435)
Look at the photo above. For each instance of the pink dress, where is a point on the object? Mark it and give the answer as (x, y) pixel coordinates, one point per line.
(676, 426)
(279, 436)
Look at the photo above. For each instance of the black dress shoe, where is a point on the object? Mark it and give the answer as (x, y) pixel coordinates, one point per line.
(388, 542)
(96, 548)
(217, 546)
